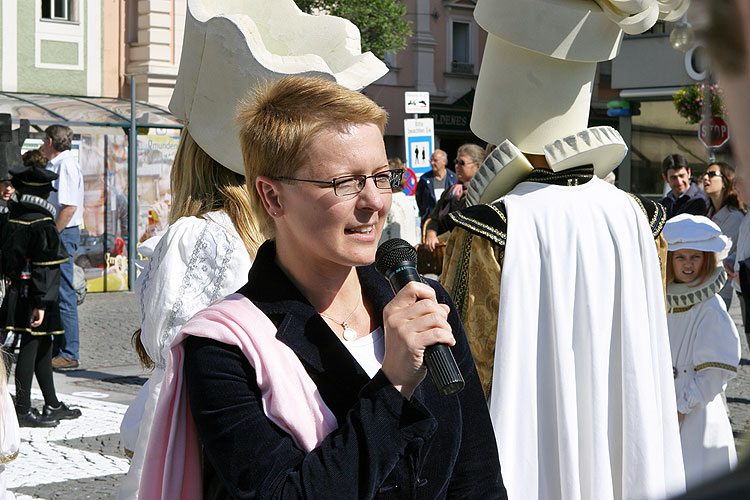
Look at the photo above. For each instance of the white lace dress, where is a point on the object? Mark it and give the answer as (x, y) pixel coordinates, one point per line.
(196, 262)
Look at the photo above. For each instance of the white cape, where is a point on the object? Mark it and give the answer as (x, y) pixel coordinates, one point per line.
(582, 397)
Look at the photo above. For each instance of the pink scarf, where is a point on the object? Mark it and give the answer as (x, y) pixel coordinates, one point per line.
(290, 398)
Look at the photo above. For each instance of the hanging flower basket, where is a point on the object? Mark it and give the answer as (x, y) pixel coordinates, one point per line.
(689, 101)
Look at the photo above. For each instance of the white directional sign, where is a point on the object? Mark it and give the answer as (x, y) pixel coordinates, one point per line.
(420, 139)
(417, 102)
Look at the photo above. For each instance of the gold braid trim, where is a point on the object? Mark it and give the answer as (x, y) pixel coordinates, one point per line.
(714, 364)
(28, 223)
(128, 453)
(476, 227)
(499, 214)
(9, 458)
(657, 221)
(681, 309)
(50, 262)
(29, 330)
(461, 283)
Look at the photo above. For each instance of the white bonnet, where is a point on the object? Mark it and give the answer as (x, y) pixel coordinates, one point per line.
(696, 233)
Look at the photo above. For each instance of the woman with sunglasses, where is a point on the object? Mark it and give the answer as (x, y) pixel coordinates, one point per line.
(726, 210)
(468, 159)
(309, 382)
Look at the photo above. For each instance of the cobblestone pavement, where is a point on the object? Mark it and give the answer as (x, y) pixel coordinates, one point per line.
(83, 459)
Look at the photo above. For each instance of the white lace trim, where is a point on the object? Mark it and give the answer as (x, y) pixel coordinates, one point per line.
(202, 283)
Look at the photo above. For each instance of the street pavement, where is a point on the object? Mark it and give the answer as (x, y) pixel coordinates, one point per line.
(83, 458)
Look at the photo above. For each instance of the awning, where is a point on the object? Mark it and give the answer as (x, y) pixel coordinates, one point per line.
(77, 111)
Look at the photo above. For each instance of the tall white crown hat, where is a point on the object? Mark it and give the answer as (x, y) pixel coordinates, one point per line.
(231, 47)
(539, 62)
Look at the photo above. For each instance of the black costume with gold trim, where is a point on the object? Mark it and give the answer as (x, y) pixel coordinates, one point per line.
(473, 266)
(30, 233)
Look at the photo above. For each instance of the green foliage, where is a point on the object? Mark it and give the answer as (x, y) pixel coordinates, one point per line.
(381, 23)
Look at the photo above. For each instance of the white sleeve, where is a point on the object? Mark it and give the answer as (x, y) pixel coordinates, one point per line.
(195, 263)
(716, 355)
(69, 184)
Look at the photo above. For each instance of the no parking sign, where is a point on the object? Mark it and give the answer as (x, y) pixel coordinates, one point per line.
(411, 182)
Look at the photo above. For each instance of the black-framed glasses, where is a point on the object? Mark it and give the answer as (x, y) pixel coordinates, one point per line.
(461, 163)
(712, 173)
(348, 185)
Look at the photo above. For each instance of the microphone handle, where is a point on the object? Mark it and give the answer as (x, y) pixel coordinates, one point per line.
(438, 357)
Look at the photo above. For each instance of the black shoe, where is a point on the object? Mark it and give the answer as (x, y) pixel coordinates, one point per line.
(62, 412)
(32, 418)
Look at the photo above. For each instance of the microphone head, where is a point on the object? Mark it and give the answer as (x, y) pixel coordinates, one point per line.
(393, 252)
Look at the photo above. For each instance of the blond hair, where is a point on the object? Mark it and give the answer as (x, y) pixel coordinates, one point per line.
(710, 262)
(280, 120)
(200, 185)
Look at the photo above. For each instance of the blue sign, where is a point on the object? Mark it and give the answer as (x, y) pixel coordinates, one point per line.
(419, 150)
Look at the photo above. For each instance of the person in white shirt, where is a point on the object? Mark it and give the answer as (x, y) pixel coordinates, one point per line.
(68, 201)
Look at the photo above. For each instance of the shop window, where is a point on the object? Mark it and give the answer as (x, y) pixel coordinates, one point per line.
(60, 10)
(461, 48)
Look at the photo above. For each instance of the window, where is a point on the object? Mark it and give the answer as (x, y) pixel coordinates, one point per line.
(60, 10)
(461, 39)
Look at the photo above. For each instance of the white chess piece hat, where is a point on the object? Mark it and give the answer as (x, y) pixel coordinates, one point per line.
(539, 62)
(231, 47)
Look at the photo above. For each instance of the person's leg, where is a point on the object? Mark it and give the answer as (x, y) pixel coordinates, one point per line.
(53, 407)
(43, 370)
(66, 345)
(25, 372)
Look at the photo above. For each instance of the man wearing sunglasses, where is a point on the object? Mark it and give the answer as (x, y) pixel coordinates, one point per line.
(685, 197)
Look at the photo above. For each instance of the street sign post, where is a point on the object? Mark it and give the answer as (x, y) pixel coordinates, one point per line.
(713, 132)
(420, 137)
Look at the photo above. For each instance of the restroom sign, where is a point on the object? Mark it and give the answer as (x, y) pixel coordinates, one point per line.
(420, 138)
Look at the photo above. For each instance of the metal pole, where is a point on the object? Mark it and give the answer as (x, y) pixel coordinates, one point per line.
(132, 188)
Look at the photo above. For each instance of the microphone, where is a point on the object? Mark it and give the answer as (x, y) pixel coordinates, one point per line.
(396, 259)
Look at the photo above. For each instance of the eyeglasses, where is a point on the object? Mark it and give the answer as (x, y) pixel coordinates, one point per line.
(461, 163)
(352, 184)
(712, 173)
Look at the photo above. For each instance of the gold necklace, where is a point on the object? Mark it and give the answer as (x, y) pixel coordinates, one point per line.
(349, 333)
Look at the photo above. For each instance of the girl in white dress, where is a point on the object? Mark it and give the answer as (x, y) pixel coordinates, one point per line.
(204, 255)
(704, 342)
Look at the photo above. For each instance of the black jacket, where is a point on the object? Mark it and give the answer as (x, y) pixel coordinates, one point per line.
(693, 201)
(29, 232)
(385, 447)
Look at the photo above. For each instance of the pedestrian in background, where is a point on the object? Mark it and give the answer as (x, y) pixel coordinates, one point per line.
(726, 210)
(685, 197)
(401, 221)
(432, 184)
(468, 159)
(67, 198)
(30, 258)
(704, 343)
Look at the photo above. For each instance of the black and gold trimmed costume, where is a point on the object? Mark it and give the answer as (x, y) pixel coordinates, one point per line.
(30, 233)
(474, 254)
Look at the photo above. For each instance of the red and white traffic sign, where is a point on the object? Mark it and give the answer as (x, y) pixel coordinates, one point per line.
(713, 132)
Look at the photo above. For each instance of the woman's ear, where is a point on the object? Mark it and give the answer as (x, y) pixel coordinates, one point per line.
(268, 189)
